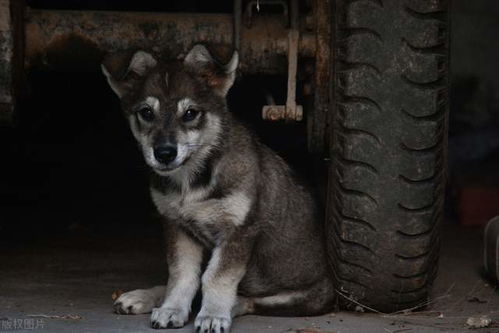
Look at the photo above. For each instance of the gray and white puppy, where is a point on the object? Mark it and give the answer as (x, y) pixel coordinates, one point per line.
(222, 193)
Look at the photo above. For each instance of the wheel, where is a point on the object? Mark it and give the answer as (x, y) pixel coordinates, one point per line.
(388, 150)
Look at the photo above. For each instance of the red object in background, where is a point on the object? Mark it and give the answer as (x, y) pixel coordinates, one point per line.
(477, 205)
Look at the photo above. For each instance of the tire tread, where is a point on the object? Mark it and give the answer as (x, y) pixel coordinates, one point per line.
(388, 143)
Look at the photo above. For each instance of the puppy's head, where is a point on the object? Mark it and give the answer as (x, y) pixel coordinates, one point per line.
(175, 110)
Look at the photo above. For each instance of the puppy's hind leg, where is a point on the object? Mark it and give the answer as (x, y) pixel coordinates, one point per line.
(139, 301)
(316, 300)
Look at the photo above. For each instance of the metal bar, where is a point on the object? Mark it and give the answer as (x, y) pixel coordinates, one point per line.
(237, 23)
(10, 56)
(322, 78)
(290, 111)
(293, 36)
(6, 55)
(55, 36)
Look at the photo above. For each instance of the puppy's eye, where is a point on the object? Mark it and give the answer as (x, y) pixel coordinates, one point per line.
(146, 113)
(189, 115)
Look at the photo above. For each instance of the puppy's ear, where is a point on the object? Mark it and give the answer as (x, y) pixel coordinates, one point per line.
(217, 76)
(121, 70)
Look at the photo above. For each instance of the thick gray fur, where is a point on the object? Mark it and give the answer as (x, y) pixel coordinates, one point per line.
(226, 195)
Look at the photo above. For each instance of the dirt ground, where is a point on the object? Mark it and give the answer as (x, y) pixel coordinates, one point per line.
(64, 284)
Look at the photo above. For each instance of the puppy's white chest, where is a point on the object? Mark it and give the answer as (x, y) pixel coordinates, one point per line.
(195, 206)
(176, 204)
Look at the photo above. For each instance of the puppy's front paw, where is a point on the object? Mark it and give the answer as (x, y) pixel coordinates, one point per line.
(212, 324)
(168, 318)
(134, 302)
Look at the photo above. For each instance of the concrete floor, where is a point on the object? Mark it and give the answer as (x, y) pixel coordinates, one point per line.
(64, 284)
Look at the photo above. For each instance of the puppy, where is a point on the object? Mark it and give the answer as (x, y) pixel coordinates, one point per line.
(222, 193)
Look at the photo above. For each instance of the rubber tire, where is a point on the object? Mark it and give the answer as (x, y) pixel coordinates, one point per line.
(388, 150)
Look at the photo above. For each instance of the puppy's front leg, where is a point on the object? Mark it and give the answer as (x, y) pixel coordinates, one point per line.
(184, 257)
(225, 270)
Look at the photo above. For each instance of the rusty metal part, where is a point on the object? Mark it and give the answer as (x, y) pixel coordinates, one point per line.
(290, 111)
(52, 36)
(282, 112)
(248, 13)
(291, 108)
(11, 12)
(274, 112)
(317, 118)
(77, 40)
(6, 52)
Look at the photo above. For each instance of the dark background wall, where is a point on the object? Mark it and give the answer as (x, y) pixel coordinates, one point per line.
(474, 117)
(475, 79)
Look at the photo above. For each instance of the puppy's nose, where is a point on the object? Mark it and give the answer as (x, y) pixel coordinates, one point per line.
(165, 154)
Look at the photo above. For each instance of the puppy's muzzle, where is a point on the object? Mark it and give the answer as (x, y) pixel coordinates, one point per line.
(165, 154)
